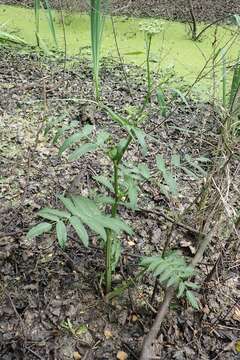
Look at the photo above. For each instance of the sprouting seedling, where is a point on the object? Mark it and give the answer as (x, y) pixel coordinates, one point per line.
(172, 270)
(150, 29)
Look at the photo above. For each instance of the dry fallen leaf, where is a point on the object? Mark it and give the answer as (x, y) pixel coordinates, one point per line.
(134, 318)
(107, 333)
(236, 314)
(121, 355)
(131, 243)
(76, 356)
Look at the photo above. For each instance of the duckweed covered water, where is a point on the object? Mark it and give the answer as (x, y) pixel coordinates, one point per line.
(170, 48)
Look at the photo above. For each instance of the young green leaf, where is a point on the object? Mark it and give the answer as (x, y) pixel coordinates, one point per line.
(69, 205)
(105, 182)
(82, 150)
(48, 216)
(140, 135)
(181, 289)
(54, 212)
(132, 193)
(85, 206)
(162, 102)
(102, 199)
(94, 225)
(191, 285)
(174, 280)
(61, 233)
(86, 131)
(144, 171)
(192, 299)
(181, 95)
(175, 160)
(61, 131)
(39, 230)
(114, 224)
(102, 137)
(160, 163)
(171, 182)
(80, 230)
(116, 117)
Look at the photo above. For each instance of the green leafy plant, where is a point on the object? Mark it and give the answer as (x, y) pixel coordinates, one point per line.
(84, 214)
(120, 187)
(80, 212)
(172, 270)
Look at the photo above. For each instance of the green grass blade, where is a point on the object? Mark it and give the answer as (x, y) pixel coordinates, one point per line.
(97, 25)
(235, 85)
(50, 21)
(224, 80)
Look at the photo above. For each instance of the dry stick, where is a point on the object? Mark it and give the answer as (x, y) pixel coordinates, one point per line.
(194, 23)
(148, 352)
(173, 221)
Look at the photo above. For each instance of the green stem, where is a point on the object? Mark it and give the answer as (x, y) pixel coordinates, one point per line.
(110, 232)
(109, 243)
(149, 84)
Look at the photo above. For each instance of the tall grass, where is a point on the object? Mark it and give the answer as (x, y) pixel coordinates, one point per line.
(38, 4)
(98, 14)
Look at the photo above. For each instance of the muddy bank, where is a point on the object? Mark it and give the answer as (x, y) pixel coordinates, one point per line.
(204, 10)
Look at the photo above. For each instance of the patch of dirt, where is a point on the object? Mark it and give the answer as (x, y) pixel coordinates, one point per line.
(51, 301)
(204, 10)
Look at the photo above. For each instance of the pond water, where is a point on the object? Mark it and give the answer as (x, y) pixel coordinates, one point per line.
(170, 48)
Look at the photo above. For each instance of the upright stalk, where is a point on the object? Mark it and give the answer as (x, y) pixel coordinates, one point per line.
(110, 233)
(149, 83)
(109, 243)
(36, 13)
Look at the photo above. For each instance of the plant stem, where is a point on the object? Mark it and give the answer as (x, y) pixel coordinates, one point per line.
(149, 85)
(110, 232)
